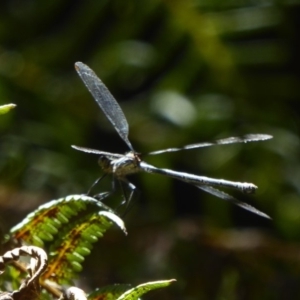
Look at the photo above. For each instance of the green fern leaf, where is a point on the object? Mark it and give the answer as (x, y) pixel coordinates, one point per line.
(45, 222)
(75, 242)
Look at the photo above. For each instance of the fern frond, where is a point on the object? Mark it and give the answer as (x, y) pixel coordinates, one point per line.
(74, 243)
(35, 269)
(45, 222)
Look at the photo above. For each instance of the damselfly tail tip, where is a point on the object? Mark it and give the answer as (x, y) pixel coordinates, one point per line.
(249, 188)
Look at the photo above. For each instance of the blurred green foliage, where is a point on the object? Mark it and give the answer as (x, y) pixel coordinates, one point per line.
(184, 72)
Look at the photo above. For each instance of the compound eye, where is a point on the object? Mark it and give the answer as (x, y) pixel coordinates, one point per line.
(103, 161)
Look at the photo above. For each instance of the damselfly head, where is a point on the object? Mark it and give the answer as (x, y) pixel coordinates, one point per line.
(104, 162)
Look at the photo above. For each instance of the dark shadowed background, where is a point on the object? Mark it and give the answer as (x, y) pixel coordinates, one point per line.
(183, 72)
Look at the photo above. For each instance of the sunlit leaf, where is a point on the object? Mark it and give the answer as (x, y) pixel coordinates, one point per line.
(45, 222)
(6, 108)
(137, 292)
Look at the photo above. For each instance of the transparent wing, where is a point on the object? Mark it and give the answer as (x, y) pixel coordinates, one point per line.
(231, 140)
(94, 151)
(225, 196)
(105, 100)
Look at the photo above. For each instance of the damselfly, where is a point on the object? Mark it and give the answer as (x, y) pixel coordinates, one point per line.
(122, 165)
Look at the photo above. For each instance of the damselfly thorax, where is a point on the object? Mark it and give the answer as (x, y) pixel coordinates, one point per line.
(121, 167)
